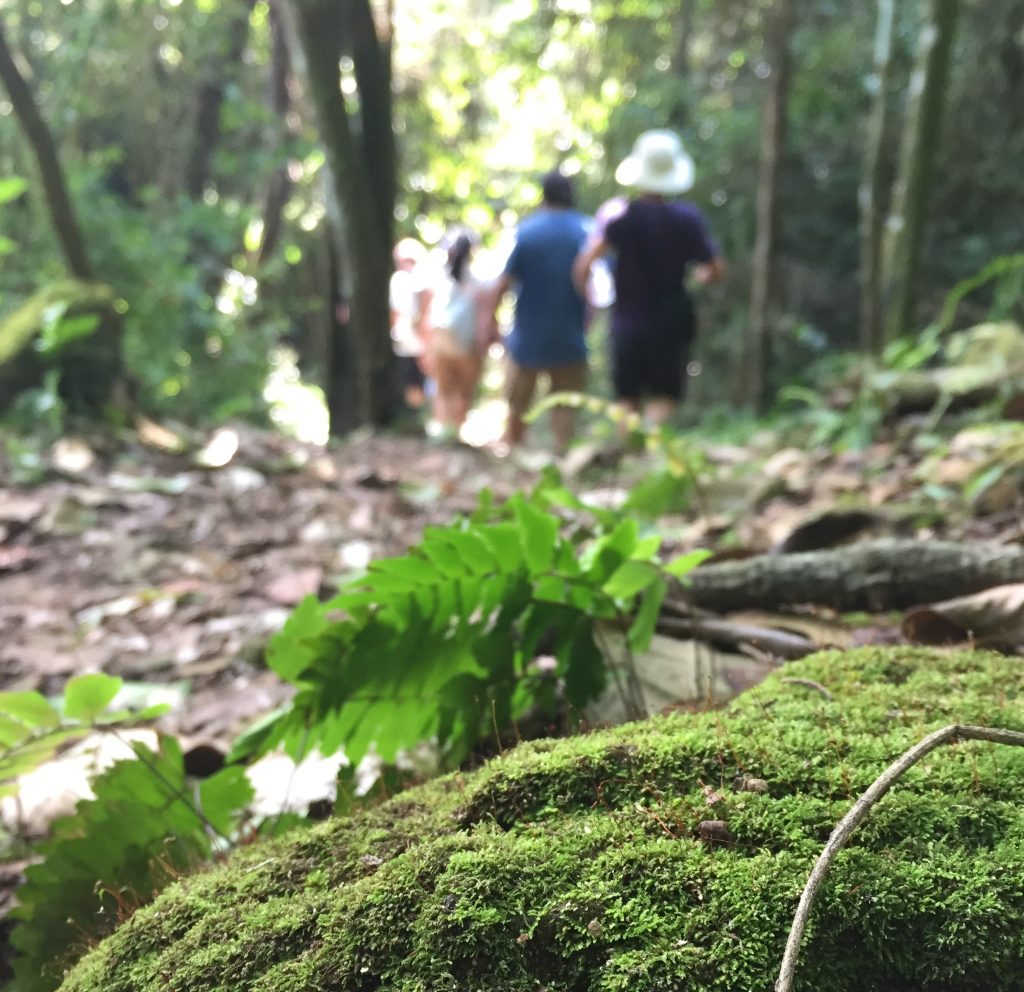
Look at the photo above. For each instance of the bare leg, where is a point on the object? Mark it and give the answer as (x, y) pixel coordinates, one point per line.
(415, 397)
(563, 425)
(520, 384)
(515, 429)
(659, 410)
(566, 379)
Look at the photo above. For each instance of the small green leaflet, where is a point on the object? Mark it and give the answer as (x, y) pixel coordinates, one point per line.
(538, 533)
(684, 564)
(630, 578)
(29, 708)
(87, 696)
(642, 629)
(222, 795)
(11, 188)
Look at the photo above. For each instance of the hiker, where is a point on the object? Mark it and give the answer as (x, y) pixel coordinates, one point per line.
(657, 241)
(458, 333)
(548, 331)
(410, 304)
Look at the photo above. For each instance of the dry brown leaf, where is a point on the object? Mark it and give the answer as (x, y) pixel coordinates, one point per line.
(710, 796)
(155, 435)
(72, 456)
(993, 618)
(290, 588)
(14, 558)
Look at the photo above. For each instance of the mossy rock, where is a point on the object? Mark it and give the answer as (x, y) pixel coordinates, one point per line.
(579, 864)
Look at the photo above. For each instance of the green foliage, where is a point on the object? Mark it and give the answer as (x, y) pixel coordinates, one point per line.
(852, 427)
(49, 313)
(915, 351)
(32, 729)
(440, 644)
(579, 864)
(143, 828)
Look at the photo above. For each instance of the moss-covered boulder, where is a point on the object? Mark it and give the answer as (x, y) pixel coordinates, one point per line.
(582, 865)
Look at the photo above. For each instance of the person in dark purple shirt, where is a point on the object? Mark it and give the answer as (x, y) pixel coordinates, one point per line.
(656, 242)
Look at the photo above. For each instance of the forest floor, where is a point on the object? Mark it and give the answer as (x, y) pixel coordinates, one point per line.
(167, 569)
(172, 570)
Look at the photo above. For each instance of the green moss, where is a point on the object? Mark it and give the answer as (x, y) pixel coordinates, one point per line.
(578, 864)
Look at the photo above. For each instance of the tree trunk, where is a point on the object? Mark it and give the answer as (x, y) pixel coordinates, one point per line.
(62, 214)
(773, 139)
(874, 576)
(918, 156)
(871, 187)
(211, 97)
(280, 102)
(359, 144)
(684, 36)
(91, 370)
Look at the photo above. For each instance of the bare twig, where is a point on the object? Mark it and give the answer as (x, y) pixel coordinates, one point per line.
(809, 684)
(850, 822)
(776, 642)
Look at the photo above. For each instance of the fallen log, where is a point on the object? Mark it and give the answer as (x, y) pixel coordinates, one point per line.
(874, 576)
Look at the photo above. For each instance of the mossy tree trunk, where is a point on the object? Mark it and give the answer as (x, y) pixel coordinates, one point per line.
(91, 371)
(355, 118)
(872, 186)
(773, 141)
(918, 158)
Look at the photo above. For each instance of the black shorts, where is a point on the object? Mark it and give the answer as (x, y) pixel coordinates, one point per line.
(645, 366)
(410, 372)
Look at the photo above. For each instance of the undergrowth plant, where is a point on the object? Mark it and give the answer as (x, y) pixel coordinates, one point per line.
(672, 480)
(145, 825)
(442, 644)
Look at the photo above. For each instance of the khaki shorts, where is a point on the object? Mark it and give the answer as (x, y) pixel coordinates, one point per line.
(521, 383)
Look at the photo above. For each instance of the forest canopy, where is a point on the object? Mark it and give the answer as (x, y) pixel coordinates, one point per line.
(204, 184)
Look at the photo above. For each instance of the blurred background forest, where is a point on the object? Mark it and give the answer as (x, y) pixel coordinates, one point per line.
(204, 147)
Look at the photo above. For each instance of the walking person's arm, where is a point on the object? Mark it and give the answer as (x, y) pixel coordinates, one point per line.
(710, 271)
(490, 301)
(591, 252)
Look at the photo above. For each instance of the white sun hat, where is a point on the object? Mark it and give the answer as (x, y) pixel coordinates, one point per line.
(657, 164)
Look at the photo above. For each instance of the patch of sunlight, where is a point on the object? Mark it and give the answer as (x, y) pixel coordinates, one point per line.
(297, 408)
(485, 423)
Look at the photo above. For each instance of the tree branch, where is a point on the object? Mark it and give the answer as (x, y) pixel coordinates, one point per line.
(850, 822)
(65, 221)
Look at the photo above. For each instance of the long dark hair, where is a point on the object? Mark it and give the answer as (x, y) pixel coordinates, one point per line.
(458, 255)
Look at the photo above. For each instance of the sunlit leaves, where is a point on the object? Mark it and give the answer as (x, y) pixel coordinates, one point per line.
(87, 696)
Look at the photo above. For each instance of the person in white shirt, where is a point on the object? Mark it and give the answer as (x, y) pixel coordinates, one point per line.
(410, 307)
(458, 333)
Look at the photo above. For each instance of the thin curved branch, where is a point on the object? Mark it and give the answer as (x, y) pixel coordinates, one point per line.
(809, 684)
(850, 822)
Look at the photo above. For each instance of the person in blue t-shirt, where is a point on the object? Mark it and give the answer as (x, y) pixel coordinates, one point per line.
(548, 331)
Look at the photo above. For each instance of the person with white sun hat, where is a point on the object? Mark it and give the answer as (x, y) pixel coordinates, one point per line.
(657, 241)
